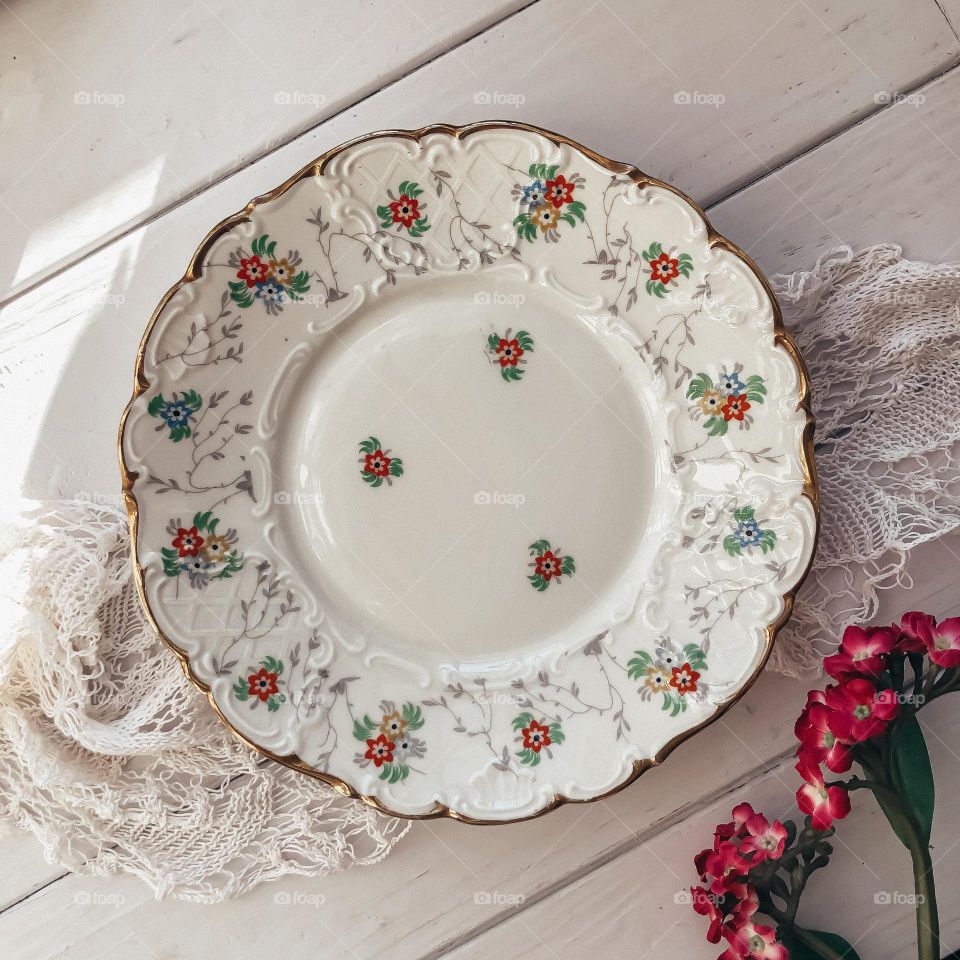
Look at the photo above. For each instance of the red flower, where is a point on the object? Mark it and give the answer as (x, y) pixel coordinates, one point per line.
(728, 912)
(916, 632)
(536, 736)
(380, 751)
(188, 542)
(858, 710)
(559, 191)
(405, 210)
(818, 744)
(548, 565)
(253, 271)
(763, 838)
(684, 679)
(735, 407)
(377, 463)
(262, 684)
(509, 352)
(665, 268)
(944, 648)
(724, 865)
(824, 804)
(757, 942)
(862, 651)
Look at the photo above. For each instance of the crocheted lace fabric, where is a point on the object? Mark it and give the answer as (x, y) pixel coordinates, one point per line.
(113, 761)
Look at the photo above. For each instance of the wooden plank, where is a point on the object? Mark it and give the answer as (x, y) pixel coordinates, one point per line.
(113, 112)
(708, 109)
(889, 179)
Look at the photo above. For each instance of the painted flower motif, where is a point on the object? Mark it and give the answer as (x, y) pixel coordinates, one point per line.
(253, 271)
(405, 210)
(546, 202)
(858, 710)
(507, 352)
(727, 401)
(376, 464)
(735, 408)
(536, 737)
(265, 277)
(656, 679)
(200, 551)
(390, 744)
(559, 191)
(670, 671)
(748, 533)
(187, 542)
(380, 751)
(548, 565)
(175, 413)
(710, 402)
(730, 383)
(261, 684)
(684, 679)
(666, 268)
(534, 194)
(393, 725)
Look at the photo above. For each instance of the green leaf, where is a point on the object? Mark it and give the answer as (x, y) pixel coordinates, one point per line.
(743, 514)
(511, 374)
(156, 405)
(370, 445)
(200, 520)
(539, 547)
(912, 779)
(525, 341)
(697, 385)
(637, 665)
(716, 426)
(413, 715)
(556, 733)
(362, 729)
(732, 545)
(768, 540)
(551, 172)
(396, 467)
(567, 566)
(493, 341)
(522, 720)
(800, 950)
(538, 582)
(240, 690)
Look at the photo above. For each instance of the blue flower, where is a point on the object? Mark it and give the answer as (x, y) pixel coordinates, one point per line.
(731, 383)
(748, 534)
(533, 194)
(176, 414)
(270, 292)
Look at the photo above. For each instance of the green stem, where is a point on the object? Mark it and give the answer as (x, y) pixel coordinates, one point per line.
(928, 921)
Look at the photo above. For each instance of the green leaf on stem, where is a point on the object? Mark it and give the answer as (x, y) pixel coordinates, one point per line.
(912, 776)
(803, 949)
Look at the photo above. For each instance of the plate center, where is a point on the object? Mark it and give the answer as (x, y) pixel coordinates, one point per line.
(474, 470)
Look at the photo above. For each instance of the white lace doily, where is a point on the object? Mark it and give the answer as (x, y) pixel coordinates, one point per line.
(114, 762)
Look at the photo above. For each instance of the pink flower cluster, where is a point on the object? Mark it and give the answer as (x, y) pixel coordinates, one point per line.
(856, 707)
(727, 898)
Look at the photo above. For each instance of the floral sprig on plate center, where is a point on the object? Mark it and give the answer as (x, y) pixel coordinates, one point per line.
(548, 565)
(376, 464)
(262, 685)
(536, 737)
(508, 352)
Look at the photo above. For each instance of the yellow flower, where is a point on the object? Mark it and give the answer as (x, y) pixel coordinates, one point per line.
(393, 725)
(711, 402)
(545, 218)
(215, 548)
(281, 271)
(656, 679)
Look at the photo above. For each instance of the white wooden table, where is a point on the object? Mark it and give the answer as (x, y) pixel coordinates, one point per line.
(129, 129)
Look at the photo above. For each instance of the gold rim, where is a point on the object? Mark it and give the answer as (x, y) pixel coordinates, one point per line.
(811, 488)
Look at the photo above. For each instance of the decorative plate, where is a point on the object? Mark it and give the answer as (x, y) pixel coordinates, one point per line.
(469, 471)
